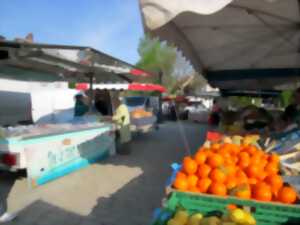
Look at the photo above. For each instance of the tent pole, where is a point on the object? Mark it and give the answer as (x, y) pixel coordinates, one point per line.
(91, 92)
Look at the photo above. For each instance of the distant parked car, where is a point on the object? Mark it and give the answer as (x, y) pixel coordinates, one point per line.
(197, 112)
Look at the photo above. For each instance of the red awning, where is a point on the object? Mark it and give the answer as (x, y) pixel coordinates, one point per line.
(130, 87)
(146, 87)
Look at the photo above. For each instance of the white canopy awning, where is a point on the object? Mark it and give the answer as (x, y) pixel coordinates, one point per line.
(240, 44)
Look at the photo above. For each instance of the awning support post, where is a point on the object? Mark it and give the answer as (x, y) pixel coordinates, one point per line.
(91, 92)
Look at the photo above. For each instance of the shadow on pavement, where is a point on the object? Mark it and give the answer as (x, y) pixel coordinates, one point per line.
(133, 204)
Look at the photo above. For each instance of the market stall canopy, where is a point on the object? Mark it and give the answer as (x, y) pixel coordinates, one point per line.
(235, 44)
(123, 87)
(43, 62)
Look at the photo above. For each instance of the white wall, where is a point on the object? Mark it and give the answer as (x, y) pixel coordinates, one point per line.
(23, 101)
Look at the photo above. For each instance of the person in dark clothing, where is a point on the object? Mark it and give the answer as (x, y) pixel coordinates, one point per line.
(214, 118)
(80, 107)
(101, 107)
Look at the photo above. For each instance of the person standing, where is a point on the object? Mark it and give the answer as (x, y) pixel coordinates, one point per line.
(122, 119)
(81, 107)
(294, 108)
(5, 217)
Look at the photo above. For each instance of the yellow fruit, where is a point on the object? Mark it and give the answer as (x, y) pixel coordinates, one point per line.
(228, 223)
(227, 140)
(213, 220)
(174, 222)
(237, 216)
(237, 140)
(182, 216)
(225, 218)
(249, 219)
(195, 219)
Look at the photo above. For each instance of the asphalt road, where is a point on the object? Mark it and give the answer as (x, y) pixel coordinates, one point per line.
(120, 190)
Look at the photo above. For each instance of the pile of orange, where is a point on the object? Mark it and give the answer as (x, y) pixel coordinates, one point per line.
(237, 170)
(140, 113)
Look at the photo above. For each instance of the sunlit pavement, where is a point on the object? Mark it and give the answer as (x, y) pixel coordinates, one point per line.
(120, 190)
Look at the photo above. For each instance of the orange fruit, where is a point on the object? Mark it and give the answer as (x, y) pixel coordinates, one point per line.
(241, 177)
(187, 158)
(242, 191)
(180, 174)
(230, 182)
(215, 146)
(287, 195)
(262, 175)
(274, 158)
(263, 163)
(226, 147)
(252, 181)
(244, 155)
(192, 180)
(229, 169)
(203, 184)
(217, 188)
(194, 189)
(251, 149)
(275, 181)
(234, 149)
(255, 159)
(200, 157)
(190, 166)
(203, 170)
(253, 170)
(215, 160)
(271, 168)
(231, 207)
(229, 160)
(217, 175)
(244, 160)
(235, 159)
(181, 184)
(262, 192)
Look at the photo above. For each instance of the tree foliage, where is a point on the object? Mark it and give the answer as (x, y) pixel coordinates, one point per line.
(156, 57)
(178, 75)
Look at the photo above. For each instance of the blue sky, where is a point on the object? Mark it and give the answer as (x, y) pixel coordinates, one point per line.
(111, 26)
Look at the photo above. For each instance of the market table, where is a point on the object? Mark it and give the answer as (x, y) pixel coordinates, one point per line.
(50, 151)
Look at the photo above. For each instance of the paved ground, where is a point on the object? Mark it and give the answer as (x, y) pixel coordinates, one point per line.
(120, 190)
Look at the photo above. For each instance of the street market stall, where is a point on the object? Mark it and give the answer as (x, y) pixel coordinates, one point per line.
(241, 47)
(51, 150)
(230, 180)
(142, 108)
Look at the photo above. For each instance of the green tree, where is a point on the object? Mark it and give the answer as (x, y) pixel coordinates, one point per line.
(156, 57)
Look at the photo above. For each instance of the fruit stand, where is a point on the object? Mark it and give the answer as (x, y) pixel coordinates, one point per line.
(51, 150)
(230, 180)
(141, 120)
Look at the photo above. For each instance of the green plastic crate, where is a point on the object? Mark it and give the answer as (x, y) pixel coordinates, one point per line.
(264, 213)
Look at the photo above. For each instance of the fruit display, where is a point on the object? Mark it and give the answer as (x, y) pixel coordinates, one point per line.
(241, 170)
(140, 113)
(235, 216)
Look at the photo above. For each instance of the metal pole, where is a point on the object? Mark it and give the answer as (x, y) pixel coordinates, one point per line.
(159, 119)
(91, 92)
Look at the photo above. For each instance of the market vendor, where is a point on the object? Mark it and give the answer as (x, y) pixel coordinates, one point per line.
(122, 118)
(295, 107)
(81, 107)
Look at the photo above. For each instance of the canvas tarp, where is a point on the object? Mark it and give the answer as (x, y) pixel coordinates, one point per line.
(239, 44)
